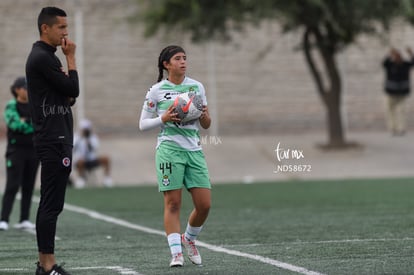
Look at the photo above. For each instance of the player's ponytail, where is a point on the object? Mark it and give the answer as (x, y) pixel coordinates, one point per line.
(166, 55)
(160, 73)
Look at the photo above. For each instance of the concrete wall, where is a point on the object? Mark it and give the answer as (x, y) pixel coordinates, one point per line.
(263, 83)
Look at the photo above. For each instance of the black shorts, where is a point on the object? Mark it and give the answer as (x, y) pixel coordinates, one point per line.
(91, 164)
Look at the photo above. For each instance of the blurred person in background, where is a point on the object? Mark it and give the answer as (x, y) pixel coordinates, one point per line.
(397, 88)
(86, 157)
(21, 161)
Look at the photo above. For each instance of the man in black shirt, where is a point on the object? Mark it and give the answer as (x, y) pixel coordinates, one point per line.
(51, 91)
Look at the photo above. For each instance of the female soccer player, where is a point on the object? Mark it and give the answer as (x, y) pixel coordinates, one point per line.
(179, 158)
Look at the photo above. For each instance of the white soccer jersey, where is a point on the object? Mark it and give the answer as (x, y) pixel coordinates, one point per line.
(157, 101)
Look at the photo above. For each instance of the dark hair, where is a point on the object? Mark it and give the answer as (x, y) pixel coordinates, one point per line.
(13, 91)
(20, 82)
(48, 16)
(166, 55)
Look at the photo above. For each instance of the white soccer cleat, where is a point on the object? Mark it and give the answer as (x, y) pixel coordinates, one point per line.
(4, 226)
(192, 250)
(177, 260)
(25, 225)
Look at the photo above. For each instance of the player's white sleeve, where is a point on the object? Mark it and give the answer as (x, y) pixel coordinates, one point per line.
(147, 121)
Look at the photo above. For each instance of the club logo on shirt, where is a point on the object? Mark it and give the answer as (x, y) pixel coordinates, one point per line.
(66, 162)
(165, 180)
(150, 104)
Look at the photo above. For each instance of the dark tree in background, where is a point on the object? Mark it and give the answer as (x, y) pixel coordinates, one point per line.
(328, 26)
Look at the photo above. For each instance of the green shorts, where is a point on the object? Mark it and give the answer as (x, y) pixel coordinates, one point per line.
(176, 169)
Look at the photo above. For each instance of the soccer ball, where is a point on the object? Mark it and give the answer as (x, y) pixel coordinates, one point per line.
(188, 106)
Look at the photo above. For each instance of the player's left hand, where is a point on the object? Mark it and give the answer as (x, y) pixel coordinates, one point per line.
(205, 119)
(205, 113)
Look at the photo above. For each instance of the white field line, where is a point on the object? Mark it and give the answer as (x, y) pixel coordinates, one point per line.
(328, 242)
(119, 269)
(98, 216)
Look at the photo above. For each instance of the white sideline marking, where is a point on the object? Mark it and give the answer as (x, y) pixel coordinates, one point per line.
(109, 219)
(265, 260)
(118, 269)
(329, 242)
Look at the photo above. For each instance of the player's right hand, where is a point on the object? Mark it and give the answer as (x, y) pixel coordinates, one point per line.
(170, 115)
(68, 46)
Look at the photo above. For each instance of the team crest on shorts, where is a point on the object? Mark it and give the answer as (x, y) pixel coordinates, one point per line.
(165, 180)
(66, 162)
